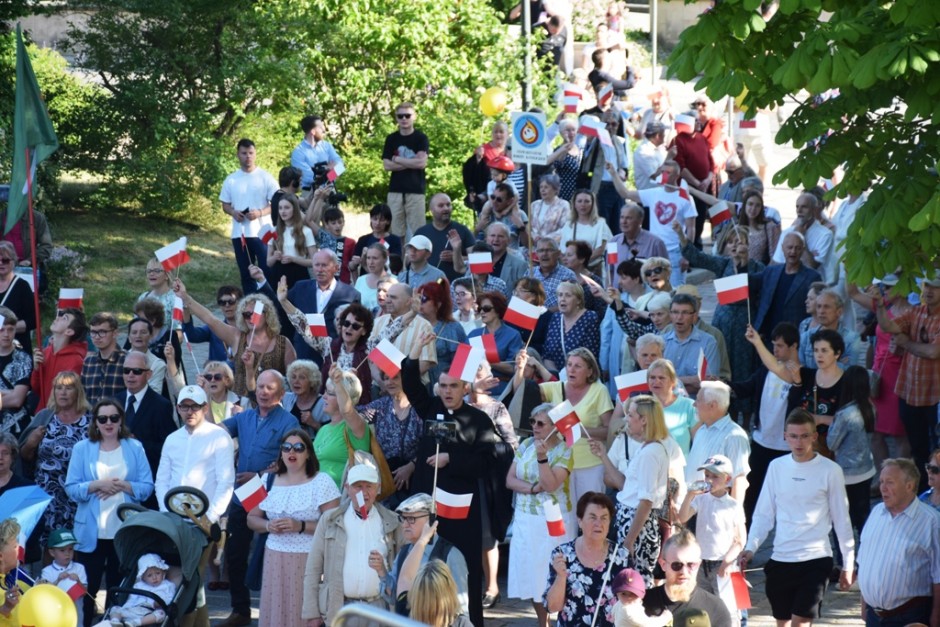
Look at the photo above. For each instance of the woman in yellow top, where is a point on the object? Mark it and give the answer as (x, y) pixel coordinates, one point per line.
(9, 547)
(591, 402)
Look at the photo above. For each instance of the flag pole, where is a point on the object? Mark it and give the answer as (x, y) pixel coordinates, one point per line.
(600, 595)
(32, 253)
(749, 308)
(528, 223)
(437, 452)
(192, 354)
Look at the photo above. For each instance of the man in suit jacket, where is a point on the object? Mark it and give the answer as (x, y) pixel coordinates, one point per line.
(782, 289)
(149, 416)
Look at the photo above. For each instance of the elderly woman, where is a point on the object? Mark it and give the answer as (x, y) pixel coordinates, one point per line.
(566, 159)
(549, 214)
(538, 474)
(642, 481)
(16, 294)
(492, 308)
(47, 445)
(217, 380)
(158, 280)
(346, 430)
(586, 225)
(268, 349)
(16, 366)
(465, 304)
(106, 470)
(435, 307)
(305, 381)
(576, 579)
(376, 264)
(932, 496)
(571, 327)
(476, 169)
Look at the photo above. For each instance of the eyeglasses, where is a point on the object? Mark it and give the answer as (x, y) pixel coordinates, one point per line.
(297, 447)
(5, 260)
(654, 271)
(105, 418)
(934, 470)
(214, 376)
(539, 423)
(226, 302)
(155, 271)
(410, 520)
(499, 199)
(678, 566)
(100, 332)
(188, 409)
(403, 116)
(355, 326)
(485, 308)
(136, 371)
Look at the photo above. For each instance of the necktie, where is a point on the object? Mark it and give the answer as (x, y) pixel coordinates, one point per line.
(130, 414)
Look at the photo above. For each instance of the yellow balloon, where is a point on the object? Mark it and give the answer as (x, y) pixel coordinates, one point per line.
(493, 101)
(46, 605)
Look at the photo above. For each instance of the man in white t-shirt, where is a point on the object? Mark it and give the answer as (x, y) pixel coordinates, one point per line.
(246, 196)
(818, 238)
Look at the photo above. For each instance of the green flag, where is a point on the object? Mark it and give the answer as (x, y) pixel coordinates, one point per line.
(32, 132)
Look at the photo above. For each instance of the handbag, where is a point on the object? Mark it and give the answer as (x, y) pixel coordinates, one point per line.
(256, 562)
(376, 459)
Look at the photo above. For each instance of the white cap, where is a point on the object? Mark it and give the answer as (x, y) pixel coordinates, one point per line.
(192, 393)
(150, 560)
(362, 472)
(420, 242)
(718, 464)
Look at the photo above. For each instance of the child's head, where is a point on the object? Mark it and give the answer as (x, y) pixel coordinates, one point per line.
(628, 586)
(500, 168)
(151, 569)
(62, 546)
(718, 473)
(333, 221)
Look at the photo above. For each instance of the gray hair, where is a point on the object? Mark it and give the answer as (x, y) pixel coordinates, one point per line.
(659, 302)
(331, 254)
(566, 123)
(542, 408)
(752, 182)
(715, 392)
(552, 180)
(734, 161)
(309, 368)
(7, 439)
(650, 338)
(635, 208)
(499, 225)
(549, 240)
(907, 468)
(351, 384)
(834, 295)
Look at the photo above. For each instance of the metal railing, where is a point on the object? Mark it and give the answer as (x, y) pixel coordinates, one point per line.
(373, 615)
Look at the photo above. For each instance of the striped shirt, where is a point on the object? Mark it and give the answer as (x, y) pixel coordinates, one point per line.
(919, 381)
(899, 556)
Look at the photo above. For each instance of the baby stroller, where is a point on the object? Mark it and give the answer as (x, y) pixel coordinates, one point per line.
(182, 536)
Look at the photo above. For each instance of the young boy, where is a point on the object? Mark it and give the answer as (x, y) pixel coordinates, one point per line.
(719, 528)
(380, 221)
(628, 610)
(63, 571)
(141, 610)
(66, 351)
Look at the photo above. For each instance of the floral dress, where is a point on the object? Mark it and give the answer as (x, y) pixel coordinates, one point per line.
(584, 585)
(52, 464)
(15, 369)
(398, 438)
(548, 220)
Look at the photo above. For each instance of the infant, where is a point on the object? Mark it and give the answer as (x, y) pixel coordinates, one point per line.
(141, 610)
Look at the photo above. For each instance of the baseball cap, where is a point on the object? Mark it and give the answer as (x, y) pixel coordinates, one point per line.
(889, 279)
(60, 538)
(629, 580)
(691, 617)
(420, 242)
(192, 393)
(718, 464)
(654, 128)
(933, 280)
(362, 472)
(416, 503)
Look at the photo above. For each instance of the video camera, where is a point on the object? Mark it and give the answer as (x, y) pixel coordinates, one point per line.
(441, 430)
(320, 170)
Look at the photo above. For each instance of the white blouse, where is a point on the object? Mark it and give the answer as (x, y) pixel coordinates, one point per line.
(301, 502)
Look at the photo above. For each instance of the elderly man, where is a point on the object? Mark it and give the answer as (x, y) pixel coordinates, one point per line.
(633, 240)
(400, 305)
(259, 432)
(817, 237)
(506, 265)
(418, 251)
(649, 155)
(147, 414)
(503, 208)
(422, 544)
(684, 343)
(438, 231)
(549, 271)
(463, 461)
(351, 548)
(718, 435)
(829, 309)
(680, 559)
(899, 553)
(783, 288)
(732, 190)
(724, 372)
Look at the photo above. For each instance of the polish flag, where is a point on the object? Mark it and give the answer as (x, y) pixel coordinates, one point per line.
(719, 213)
(71, 298)
(685, 123)
(257, 314)
(732, 289)
(76, 590)
(178, 309)
(566, 422)
(591, 126)
(702, 369)
(742, 595)
(387, 357)
(486, 343)
(605, 94)
(251, 493)
(452, 506)
(361, 505)
(628, 384)
(317, 324)
(612, 253)
(335, 171)
(466, 362)
(480, 263)
(267, 233)
(572, 97)
(173, 255)
(556, 524)
(523, 314)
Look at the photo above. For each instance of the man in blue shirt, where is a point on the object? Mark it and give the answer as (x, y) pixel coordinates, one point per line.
(259, 432)
(685, 342)
(312, 150)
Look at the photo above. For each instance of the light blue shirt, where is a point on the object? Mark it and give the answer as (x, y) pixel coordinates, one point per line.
(259, 439)
(725, 437)
(684, 353)
(306, 155)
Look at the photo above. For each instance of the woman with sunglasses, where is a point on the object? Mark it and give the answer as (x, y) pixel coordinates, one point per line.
(932, 496)
(465, 304)
(296, 499)
(641, 480)
(539, 473)
(105, 470)
(637, 321)
(492, 308)
(217, 380)
(435, 307)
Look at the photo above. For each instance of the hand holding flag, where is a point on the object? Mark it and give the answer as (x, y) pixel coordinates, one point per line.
(566, 422)
(732, 289)
(317, 324)
(467, 361)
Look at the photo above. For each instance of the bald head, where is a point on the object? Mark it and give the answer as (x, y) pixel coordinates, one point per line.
(441, 208)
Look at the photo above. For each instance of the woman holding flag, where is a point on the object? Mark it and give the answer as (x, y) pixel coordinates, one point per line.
(543, 512)
(500, 341)
(158, 280)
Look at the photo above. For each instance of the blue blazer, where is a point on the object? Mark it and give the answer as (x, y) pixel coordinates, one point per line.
(304, 297)
(793, 308)
(83, 470)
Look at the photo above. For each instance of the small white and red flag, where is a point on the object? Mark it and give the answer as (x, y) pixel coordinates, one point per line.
(251, 493)
(173, 255)
(480, 263)
(553, 518)
(267, 233)
(732, 289)
(487, 344)
(75, 591)
(566, 422)
(605, 94)
(71, 298)
(467, 361)
(317, 324)
(702, 369)
(523, 314)
(387, 357)
(361, 505)
(685, 123)
(257, 314)
(747, 124)
(631, 383)
(572, 98)
(452, 506)
(719, 213)
(335, 171)
(178, 309)
(613, 253)
(591, 125)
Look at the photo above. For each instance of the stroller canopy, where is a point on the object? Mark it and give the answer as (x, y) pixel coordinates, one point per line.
(170, 536)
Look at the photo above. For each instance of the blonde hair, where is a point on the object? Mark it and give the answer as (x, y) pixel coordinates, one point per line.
(351, 384)
(585, 353)
(433, 597)
(576, 290)
(9, 530)
(573, 216)
(69, 378)
(270, 314)
(741, 232)
(228, 377)
(666, 365)
(650, 408)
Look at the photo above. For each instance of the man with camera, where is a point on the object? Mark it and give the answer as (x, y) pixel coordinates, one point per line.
(314, 156)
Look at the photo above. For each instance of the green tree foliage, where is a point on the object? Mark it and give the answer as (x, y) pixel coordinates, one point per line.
(882, 58)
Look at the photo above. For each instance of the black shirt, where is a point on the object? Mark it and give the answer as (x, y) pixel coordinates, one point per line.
(656, 601)
(406, 181)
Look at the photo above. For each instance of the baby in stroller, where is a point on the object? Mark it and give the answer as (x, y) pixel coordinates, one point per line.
(139, 609)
